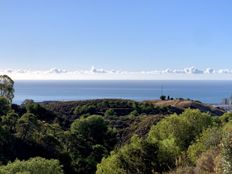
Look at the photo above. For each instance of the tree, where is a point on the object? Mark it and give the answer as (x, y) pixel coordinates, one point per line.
(138, 157)
(4, 106)
(26, 126)
(183, 128)
(134, 113)
(110, 112)
(175, 133)
(85, 109)
(6, 146)
(88, 140)
(93, 128)
(227, 153)
(226, 117)
(6, 87)
(38, 110)
(174, 128)
(197, 121)
(9, 121)
(162, 97)
(208, 139)
(35, 165)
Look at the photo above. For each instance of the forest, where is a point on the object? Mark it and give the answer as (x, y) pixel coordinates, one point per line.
(111, 136)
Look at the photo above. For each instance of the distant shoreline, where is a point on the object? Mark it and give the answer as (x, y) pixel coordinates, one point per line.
(211, 92)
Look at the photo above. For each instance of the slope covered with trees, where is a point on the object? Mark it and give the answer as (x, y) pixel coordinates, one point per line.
(111, 137)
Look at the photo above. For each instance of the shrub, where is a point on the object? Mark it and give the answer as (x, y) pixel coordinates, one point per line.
(206, 162)
(137, 157)
(36, 165)
(208, 139)
(227, 153)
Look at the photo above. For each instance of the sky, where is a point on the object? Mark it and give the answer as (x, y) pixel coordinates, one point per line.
(116, 39)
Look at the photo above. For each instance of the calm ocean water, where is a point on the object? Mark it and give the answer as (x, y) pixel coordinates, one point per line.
(205, 91)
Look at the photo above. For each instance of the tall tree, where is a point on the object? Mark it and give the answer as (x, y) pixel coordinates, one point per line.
(6, 87)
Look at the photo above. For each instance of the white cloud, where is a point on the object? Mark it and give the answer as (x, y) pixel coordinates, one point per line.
(178, 71)
(94, 70)
(8, 71)
(57, 71)
(224, 71)
(193, 70)
(167, 71)
(21, 71)
(209, 71)
(189, 73)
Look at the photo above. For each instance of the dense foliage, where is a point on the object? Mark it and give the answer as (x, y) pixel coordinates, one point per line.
(77, 134)
(121, 137)
(6, 87)
(36, 165)
(112, 136)
(192, 142)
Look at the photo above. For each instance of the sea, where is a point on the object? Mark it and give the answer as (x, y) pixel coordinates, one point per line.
(211, 92)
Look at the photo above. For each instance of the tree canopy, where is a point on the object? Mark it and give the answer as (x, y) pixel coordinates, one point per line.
(33, 166)
(6, 87)
(111, 136)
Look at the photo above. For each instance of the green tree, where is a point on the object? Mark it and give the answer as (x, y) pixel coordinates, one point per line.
(172, 127)
(26, 126)
(171, 134)
(138, 157)
(226, 117)
(162, 97)
(93, 128)
(6, 87)
(175, 133)
(134, 113)
(9, 121)
(197, 121)
(227, 153)
(208, 139)
(88, 140)
(85, 109)
(110, 112)
(6, 145)
(183, 128)
(35, 165)
(4, 106)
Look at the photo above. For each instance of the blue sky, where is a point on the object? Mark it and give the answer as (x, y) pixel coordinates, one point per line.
(131, 35)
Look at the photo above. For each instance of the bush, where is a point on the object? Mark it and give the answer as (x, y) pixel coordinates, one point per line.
(134, 113)
(209, 139)
(226, 117)
(175, 133)
(109, 113)
(206, 162)
(227, 153)
(36, 165)
(183, 128)
(182, 170)
(137, 157)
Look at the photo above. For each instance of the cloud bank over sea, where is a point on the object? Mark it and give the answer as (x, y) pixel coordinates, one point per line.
(189, 73)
